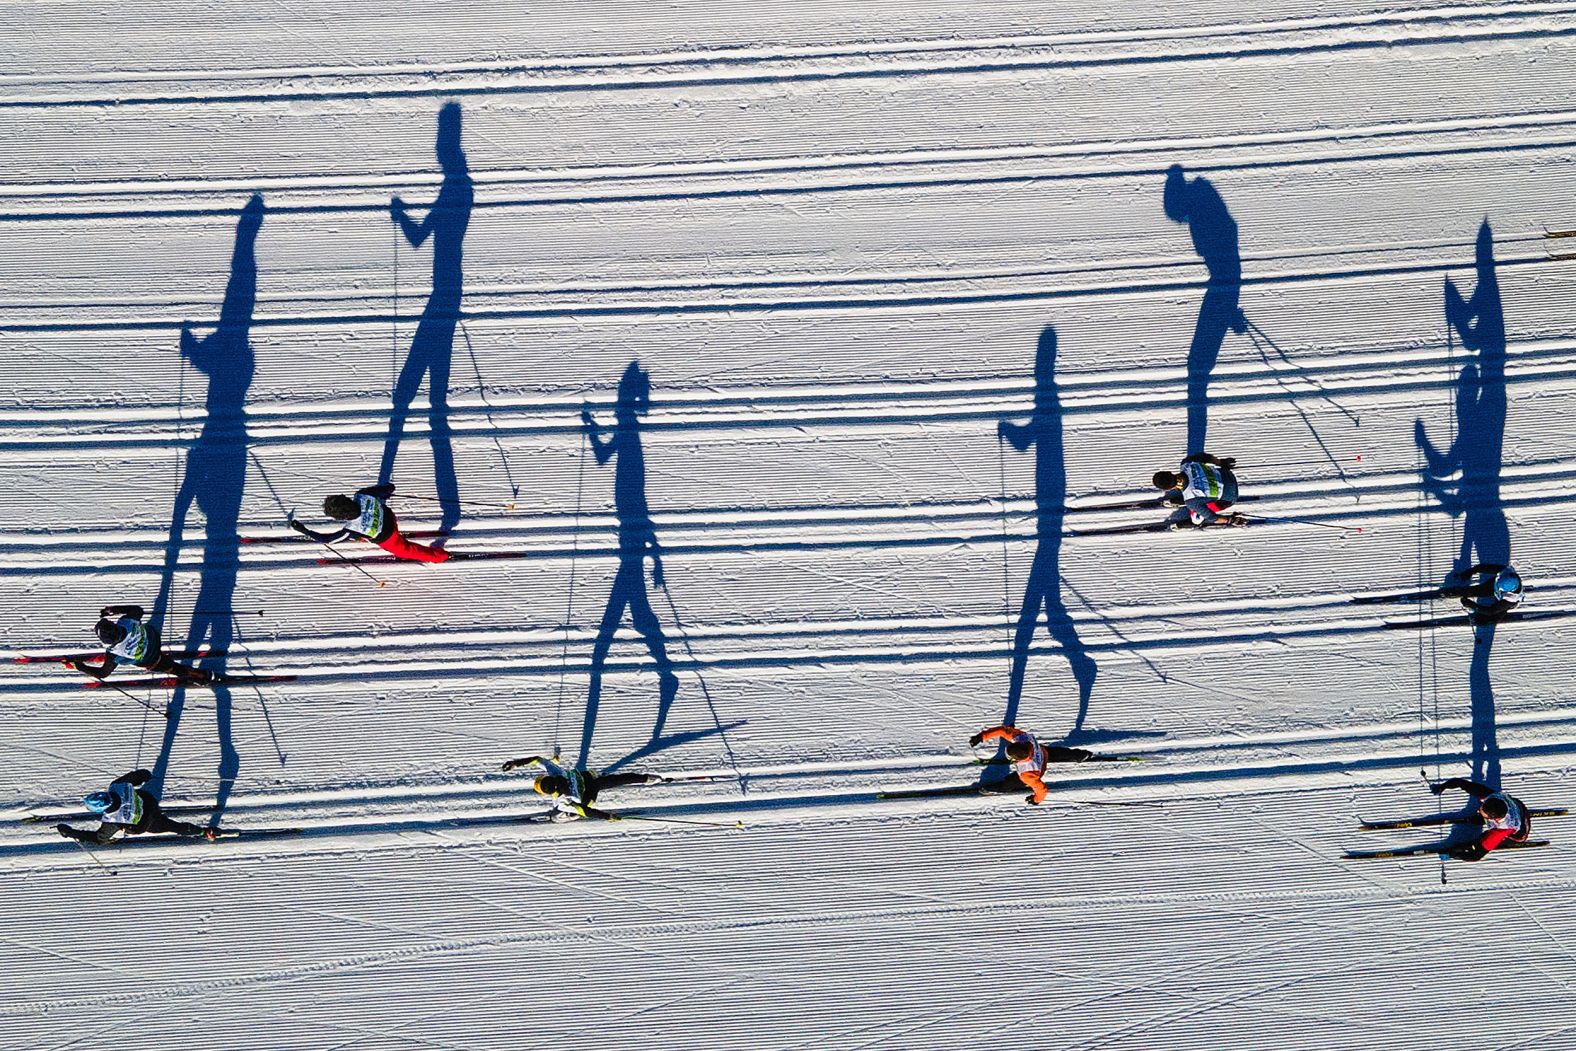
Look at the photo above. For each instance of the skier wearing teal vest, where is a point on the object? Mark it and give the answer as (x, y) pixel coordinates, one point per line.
(127, 639)
(1203, 489)
(572, 791)
(126, 807)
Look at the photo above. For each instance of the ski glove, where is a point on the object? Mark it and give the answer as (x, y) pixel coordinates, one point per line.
(1029, 799)
(976, 740)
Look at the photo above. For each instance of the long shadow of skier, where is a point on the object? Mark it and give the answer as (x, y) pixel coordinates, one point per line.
(432, 347)
(636, 538)
(1044, 585)
(1477, 454)
(1197, 203)
(215, 478)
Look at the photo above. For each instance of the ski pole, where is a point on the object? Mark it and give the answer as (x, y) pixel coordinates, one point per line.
(679, 821)
(1253, 466)
(1304, 521)
(440, 500)
(91, 855)
(340, 555)
(135, 698)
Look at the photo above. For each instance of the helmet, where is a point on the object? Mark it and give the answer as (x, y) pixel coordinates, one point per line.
(1494, 808)
(549, 785)
(109, 632)
(101, 802)
(1166, 480)
(1020, 750)
(1506, 582)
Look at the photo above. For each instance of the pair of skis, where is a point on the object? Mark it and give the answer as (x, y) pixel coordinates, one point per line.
(361, 560)
(1460, 820)
(1145, 527)
(991, 787)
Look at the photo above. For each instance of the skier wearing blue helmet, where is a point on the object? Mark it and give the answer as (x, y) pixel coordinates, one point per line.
(126, 807)
(1498, 591)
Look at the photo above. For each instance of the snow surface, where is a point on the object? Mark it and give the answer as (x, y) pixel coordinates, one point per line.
(833, 233)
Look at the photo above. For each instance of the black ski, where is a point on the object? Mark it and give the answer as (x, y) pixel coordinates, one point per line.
(936, 793)
(1406, 596)
(1434, 848)
(1449, 819)
(1147, 527)
(1445, 622)
(88, 815)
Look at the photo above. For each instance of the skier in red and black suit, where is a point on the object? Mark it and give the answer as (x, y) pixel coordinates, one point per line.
(126, 807)
(126, 638)
(1505, 818)
(1028, 758)
(1203, 491)
(368, 516)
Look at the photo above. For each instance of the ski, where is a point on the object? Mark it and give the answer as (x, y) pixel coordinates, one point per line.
(1155, 502)
(174, 683)
(1092, 759)
(67, 658)
(257, 833)
(933, 793)
(1406, 596)
(1445, 622)
(1147, 527)
(1449, 819)
(291, 538)
(1433, 848)
(88, 815)
(454, 556)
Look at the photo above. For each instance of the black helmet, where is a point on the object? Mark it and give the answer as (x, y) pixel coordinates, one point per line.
(1166, 480)
(108, 632)
(1494, 808)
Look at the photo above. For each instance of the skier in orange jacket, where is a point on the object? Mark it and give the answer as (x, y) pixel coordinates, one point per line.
(1028, 757)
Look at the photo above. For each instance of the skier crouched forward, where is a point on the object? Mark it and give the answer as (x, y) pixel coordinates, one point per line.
(127, 638)
(573, 791)
(1504, 818)
(125, 807)
(369, 516)
(1204, 488)
(1498, 593)
(1028, 757)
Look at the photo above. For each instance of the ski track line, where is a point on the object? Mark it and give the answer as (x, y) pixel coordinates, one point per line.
(668, 931)
(684, 174)
(505, 189)
(855, 413)
(757, 53)
(698, 532)
(1401, 33)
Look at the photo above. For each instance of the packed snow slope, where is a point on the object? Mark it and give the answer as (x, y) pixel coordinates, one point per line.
(844, 242)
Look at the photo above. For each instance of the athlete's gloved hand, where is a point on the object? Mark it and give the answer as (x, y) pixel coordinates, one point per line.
(1029, 799)
(976, 740)
(297, 526)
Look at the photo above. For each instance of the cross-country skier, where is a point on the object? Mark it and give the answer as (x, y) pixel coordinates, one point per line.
(125, 807)
(1204, 489)
(572, 791)
(127, 638)
(1028, 757)
(1504, 817)
(1496, 594)
(368, 515)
